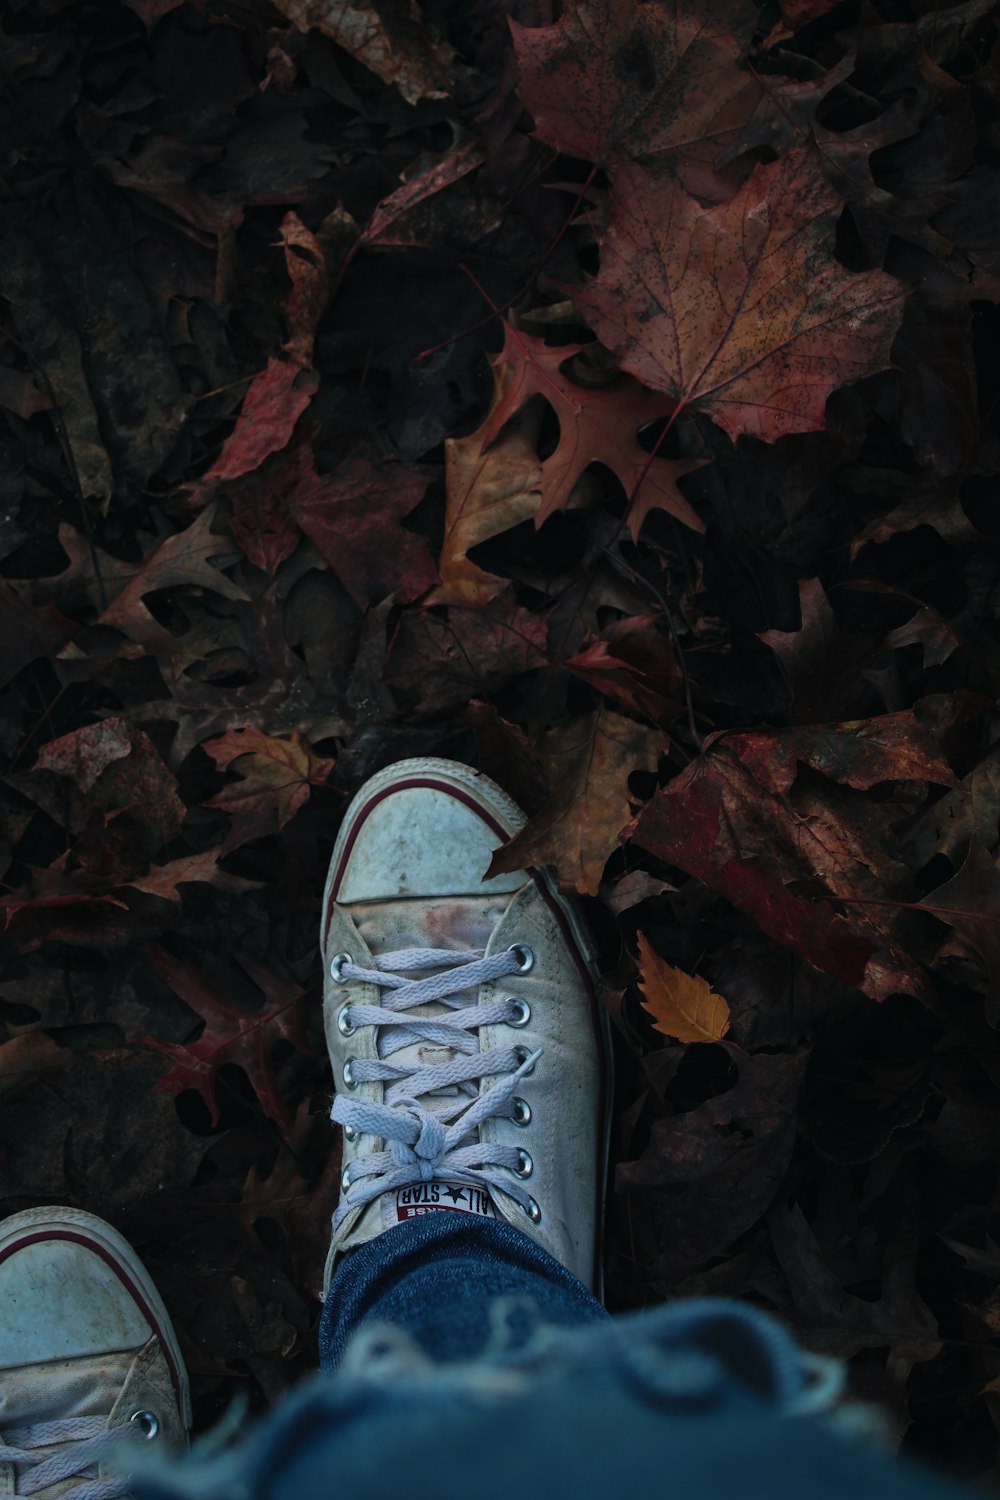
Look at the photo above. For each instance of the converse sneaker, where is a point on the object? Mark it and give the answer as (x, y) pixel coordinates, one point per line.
(89, 1363)
(471, 1061)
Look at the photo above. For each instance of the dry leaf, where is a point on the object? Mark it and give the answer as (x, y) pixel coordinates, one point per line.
(683, 1006)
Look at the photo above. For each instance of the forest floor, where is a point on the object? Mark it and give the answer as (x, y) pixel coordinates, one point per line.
(604, 396)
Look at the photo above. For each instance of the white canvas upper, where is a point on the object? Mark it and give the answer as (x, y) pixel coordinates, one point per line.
(86, 1346)
(406, 879)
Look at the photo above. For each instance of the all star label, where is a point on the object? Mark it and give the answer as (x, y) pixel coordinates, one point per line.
(457, 1197)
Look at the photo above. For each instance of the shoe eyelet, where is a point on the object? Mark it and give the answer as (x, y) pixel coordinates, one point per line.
(344, 1025)
(522, 1011)
(525, 1166)
(337, 963)
(345, 1179)
(533, 1211)
(149, 1423)
(522, 1112)
(350, 1134)
(523, 956)
(522, 1054)
(350, 1082)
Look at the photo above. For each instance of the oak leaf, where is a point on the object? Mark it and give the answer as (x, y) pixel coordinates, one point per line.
(274, 780)
(231, 1035)
(740, 310)
(683, 1006)
(612, 78)
(495, 479)
(182, 560)
(588, 763)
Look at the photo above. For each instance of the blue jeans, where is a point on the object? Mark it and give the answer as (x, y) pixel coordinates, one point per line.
(458, 1359)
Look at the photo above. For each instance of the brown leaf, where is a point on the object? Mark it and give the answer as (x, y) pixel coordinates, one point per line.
(739, 310)
(310, 278)
(275, 777)
(403, 50)
(588, 765)
(683, 1006)
(495, 479)
(970, 904)
(25, 1060)
(611, 78)
(635, 665)
(181, 561)
(165, 880)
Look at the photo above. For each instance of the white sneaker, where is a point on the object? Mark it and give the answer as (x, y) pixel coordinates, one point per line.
(472, 1061)
(89, 1362)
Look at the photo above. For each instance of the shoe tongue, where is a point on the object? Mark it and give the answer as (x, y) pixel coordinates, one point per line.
(458, 924)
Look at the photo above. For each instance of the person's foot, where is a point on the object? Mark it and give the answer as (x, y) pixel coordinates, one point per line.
(471, 1061)
(89, 1362)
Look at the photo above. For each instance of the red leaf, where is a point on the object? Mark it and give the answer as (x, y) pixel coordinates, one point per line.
(231, 1035)
(276, 399)
(354, 518)
(739, 310)
(613, 78)
(261, 523)
(634, 664)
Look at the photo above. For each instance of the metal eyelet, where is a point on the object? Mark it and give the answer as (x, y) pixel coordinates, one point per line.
(522, 1012)
(345, 1179)
(522, 1112)
(350, 1082)
(533, 1211)
(344, 1021)
(524, 957)
(350, 1134)
(337, 963)
(522, 1054)
(148, 1421)
(525, 1166)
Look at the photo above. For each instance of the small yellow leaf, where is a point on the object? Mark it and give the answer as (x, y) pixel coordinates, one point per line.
(682, 1005)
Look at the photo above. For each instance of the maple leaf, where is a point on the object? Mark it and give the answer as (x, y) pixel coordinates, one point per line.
(739, 310)
(495, 479)
(613, 78)
(434, 664)
(683, 1006)
(231, 1035)
(275, 777)
(274, 401)
(588, 765)
(403, 51)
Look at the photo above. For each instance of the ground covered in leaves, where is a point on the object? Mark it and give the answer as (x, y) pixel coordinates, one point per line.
(604, 395)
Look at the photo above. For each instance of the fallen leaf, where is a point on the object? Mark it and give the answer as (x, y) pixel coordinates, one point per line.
(739, 310)
(274, 401)
(970, 904)
(614, 79)
(354, 517)
(634, 664)
(231, 1035)
(683, 1006)
(274, 780)
(181, 561)
(165, 880)
(495, 479)
(588, 764)
(404, 52)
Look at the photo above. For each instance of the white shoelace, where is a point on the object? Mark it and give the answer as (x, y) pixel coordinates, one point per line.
(87, 1441)
(424, 1145)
